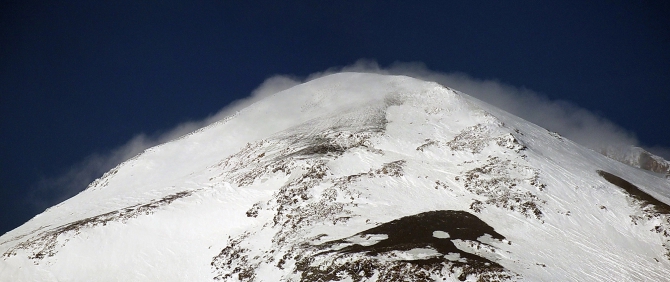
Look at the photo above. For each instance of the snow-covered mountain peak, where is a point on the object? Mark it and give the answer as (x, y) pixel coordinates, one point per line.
(356, 177)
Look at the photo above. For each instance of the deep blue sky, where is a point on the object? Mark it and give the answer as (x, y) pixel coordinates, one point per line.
(84, 77)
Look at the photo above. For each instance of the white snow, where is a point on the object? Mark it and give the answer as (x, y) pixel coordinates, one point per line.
(440, 234)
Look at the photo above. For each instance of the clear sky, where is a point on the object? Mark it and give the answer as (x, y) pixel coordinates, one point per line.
(79, 80)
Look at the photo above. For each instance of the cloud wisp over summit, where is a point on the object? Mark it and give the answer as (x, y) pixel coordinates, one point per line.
(573, 122)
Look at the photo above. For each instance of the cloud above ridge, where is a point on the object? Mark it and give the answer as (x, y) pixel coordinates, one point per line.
(569, 120)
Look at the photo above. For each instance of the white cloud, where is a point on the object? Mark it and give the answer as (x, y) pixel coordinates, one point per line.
(571, 121)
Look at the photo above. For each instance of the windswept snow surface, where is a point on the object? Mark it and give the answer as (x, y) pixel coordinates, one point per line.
(356, 177)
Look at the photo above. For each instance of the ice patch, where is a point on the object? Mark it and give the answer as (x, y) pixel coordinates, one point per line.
(413, 254)
(440, 234)
(367, 239)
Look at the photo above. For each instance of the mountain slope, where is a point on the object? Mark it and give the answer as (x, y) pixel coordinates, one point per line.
(640, 158)
(361, 177)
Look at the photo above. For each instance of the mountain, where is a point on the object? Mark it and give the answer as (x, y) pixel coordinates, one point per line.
(638, 157)
(357, 177)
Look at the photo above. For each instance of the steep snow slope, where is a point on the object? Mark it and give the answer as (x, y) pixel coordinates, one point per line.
(360, 177)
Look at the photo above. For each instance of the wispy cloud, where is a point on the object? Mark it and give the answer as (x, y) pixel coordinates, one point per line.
(571, 121)
(50, 191)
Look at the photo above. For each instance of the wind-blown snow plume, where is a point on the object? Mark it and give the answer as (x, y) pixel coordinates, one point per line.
(50, 191)
(573, 122)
